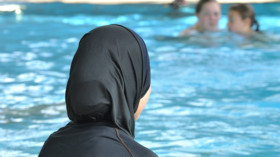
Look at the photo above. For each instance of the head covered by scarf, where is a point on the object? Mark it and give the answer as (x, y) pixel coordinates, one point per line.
(109, 74)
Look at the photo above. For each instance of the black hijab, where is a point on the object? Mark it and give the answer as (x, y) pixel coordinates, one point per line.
(109, 74)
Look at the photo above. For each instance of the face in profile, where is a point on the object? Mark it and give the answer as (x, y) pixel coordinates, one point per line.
(236, 24)
(209, 16)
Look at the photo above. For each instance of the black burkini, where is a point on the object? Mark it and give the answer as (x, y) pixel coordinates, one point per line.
(109, 74)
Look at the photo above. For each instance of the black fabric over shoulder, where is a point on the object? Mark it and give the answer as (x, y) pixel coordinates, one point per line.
(84, 140)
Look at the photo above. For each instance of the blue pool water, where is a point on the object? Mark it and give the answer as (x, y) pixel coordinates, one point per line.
(213, 95)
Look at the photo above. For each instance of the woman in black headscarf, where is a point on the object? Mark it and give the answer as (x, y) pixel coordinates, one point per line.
(108, 87)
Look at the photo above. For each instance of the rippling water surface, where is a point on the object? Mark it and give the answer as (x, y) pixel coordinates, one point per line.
(213, 95)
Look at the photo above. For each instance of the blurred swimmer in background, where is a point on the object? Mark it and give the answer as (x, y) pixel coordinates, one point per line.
(241, 20)
(208, 13)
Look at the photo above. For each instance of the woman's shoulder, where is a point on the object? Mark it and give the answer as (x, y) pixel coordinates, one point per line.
(99, 139)
(188, 31)
(136, 148)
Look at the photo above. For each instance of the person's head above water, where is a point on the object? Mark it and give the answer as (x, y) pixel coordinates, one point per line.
(208, 13)
(241, 19)
(109, 76)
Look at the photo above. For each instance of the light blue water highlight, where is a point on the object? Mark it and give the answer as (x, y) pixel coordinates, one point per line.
(213, 95)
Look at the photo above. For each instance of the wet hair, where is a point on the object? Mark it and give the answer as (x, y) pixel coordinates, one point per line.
(201, 3)
(246, 11)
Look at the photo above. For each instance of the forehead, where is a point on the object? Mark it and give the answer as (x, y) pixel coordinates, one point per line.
(211, 6)
(233, 13)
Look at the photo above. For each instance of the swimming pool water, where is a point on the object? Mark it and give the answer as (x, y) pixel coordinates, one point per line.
(213, 95)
